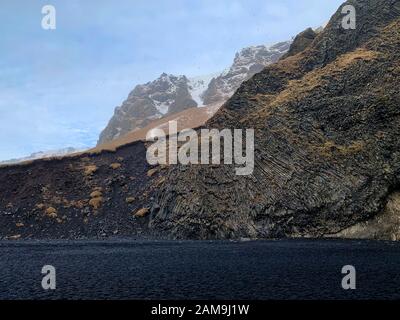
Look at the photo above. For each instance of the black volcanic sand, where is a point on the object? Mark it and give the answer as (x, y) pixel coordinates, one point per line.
(288, 269)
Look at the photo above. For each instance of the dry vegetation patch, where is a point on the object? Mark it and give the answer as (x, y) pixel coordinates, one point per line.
(330, 148)
(142, 213)
(96, 198)
(90, 169)
(115, 166)
(51, 212)
(152, 172)
(96, 202)
(130, 200)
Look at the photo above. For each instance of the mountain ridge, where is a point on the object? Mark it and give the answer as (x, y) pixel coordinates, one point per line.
(170, 94)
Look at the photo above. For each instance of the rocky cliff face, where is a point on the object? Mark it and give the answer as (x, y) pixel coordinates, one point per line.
(247, 63)
(327, 128)
(167, 95)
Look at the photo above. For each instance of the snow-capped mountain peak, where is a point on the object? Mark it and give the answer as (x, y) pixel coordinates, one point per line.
(198, 85)
(171, 94)
(166, 95)
(247, 62)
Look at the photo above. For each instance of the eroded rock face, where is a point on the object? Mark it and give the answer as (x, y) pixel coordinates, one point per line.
(167, 95)
(301, 42)
(327, 126)
(385, 226)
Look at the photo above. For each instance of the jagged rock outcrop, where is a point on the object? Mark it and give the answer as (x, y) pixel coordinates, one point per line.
(384, 226)
(301, 42)
(247, 63)
(327, 146)
(167, 95)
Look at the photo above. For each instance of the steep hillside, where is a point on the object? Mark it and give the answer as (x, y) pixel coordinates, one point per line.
(327, 127)
(102, 193)
(84, 196)
(189, 118)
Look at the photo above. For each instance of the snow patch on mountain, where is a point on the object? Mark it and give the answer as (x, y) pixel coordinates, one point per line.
(247, 63)
(198, 85)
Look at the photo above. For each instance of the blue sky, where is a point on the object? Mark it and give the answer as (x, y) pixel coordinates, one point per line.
(59, 88)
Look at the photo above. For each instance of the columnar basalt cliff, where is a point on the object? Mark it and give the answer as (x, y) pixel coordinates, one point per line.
(327, 157)
(327, 126)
